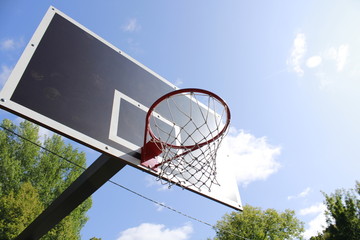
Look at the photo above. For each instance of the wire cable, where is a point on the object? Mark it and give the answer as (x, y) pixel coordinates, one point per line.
(121, 186)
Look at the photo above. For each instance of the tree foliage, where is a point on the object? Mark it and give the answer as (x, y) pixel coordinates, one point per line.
(254, 223)
(17, 209)
(31, 178)
(342, 215)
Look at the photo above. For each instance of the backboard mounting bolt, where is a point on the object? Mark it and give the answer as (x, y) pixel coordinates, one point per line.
(106, 147)
(3, 100)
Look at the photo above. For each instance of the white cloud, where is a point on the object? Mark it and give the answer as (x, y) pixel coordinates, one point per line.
(160, 207)
(301, 195)
(305, 192)
(318, 223)
(161, 185)
(178, 82)
(250, 158)
(148, 231)
(313, 61)
(131, 26)
(4, 74)
(11, 44)
(317, 208)
(297, 54)
(241, 156)
(340, 55)
(343, 53)
(334, 60)
(134, 46)
(316, 226)
(7, 44)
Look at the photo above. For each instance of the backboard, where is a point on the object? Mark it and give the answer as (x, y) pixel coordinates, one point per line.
(77, 84)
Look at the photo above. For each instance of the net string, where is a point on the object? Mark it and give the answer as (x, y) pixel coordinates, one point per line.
(199, 124)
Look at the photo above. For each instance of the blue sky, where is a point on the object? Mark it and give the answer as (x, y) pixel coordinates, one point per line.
(288, 70)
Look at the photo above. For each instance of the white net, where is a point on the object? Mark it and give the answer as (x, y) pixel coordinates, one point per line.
(188, 128)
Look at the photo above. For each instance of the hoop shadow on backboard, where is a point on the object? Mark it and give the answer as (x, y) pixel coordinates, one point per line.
(77, 84)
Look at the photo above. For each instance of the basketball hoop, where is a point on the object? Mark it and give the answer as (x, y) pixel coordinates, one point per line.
(183, 132)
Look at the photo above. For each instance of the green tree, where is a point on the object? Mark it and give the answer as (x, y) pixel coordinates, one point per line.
(256, 224)
(342, 215)
(31, 178)
(17, 210)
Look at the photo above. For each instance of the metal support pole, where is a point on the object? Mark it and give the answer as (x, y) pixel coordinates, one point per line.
(83, 187)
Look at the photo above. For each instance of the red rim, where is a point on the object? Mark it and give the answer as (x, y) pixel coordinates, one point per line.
(189, 90)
